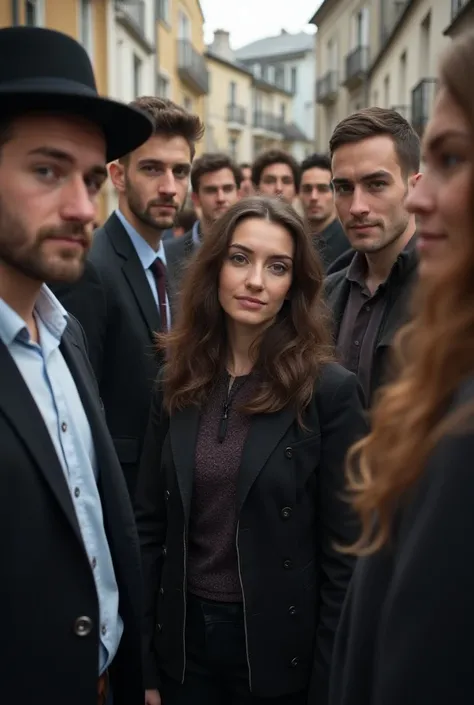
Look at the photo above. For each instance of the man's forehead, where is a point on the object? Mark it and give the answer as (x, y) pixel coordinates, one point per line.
(278, 167)
(316, 175)
(166, 149)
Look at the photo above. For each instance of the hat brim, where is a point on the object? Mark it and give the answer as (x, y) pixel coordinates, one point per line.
(125, 128)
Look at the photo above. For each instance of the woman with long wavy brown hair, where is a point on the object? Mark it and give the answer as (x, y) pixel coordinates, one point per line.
(239, 499)
(407, 632)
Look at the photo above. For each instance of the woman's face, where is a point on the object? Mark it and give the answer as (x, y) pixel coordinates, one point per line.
(441, 199)
(257, 273)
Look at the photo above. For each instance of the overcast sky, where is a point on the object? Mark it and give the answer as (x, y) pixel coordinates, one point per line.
(248, 20)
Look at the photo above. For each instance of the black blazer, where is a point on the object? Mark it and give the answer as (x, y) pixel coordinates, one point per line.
(178, 255)
(406, 636)
(290, 514)
(114, 303)
(47, 582)
(397, 311)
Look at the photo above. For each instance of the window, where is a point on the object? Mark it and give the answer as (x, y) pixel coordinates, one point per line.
(360, 28)
(162, 86)
(425, 48)
(184, 26)
(332, 58)
(402, 80)
(283, 112)
(280, 76)
(34, 13)
(257, 70)
(233, 148)
(163, 10)
(137, 75)
(271, 74)
(294, 79)
(232, 93)
(85, 25)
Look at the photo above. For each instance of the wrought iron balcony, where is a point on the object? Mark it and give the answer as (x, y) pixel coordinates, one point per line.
(268, 122)
(327, 87)
(422, 97)
(236, 114)
(192, 67)
(404, 110)
(357, 65)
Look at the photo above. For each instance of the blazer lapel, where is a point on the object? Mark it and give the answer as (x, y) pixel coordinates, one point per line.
(266, 431)
(183, 434)
(134, 274)
(18, 405)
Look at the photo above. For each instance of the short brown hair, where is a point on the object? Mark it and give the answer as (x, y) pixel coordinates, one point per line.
(171, 120)
(375, 122)
(210, 162)
(275, 156)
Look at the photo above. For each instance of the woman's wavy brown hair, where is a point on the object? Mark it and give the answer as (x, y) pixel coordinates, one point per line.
(291, 350)
(433, 355)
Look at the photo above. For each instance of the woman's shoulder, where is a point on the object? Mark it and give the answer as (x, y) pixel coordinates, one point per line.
(332, 377)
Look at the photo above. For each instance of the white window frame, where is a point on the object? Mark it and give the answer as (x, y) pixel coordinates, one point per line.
(184, 22)
(86, 38)
(165, 78)
(39, 9)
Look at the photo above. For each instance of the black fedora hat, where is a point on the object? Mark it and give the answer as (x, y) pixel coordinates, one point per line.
(41, 69)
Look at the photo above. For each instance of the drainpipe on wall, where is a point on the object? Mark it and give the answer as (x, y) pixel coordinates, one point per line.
(15, 13)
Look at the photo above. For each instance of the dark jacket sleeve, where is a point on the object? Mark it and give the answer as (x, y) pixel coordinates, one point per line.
(343, 422)
(150, 515)
(425, 651)
(86, 300)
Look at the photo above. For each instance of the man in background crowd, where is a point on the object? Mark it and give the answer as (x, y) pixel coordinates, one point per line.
(184, 222)
(375, 162)
(125, 295)
(317, 199)
(246, 185)
(276, 173)
(215, 183)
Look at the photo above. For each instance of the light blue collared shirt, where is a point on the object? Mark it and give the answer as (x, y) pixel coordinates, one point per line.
(52, 387)
(196, 234)
(147, 255)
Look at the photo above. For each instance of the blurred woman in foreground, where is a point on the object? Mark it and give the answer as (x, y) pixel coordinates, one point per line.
(407, 632)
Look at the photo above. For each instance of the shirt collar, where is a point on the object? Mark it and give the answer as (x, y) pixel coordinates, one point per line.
(358, 267)
(47, 307)
(146, 254)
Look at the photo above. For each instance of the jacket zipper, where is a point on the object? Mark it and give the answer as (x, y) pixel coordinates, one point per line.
(244, 606)
(231, 392)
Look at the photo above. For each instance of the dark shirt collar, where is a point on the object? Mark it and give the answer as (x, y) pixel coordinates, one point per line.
(405, 261)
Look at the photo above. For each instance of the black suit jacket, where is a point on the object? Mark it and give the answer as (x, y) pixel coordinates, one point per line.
(178, 255)
(47, 582)
(406, 635)
(114, 303)
(290, 514)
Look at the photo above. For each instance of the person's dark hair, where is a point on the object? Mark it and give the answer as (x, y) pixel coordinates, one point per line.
(170, 120)
(275, 156)
(290, 351)
(245, 165)
(316, 161)
(375, 122)
(211, 162)
(185, 219)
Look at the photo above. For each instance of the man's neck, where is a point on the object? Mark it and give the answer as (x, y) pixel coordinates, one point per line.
(151, 235)
(317, 226)
(20, 293)
(379, 264)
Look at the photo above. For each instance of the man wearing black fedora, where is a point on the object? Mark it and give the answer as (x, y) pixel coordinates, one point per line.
(70, 593)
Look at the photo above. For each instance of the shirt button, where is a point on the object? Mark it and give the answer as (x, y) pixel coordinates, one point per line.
(103, 630)
(289, 452)
(77, 492)
(294, 662)
(94, 562)
(287, 565)
(286, 512)
(64, 426)
(356, 343)
(367, 308)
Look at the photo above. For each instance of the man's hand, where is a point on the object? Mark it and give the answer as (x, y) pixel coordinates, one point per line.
(152, 697)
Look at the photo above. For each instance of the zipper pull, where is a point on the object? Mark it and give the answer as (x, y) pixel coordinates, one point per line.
(223, 423)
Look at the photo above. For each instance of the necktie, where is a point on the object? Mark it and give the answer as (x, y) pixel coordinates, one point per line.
(158, 270)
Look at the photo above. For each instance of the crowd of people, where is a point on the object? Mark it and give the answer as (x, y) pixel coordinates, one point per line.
(236, 418)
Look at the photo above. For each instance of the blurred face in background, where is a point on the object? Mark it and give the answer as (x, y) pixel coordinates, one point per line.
(217, 191)
(246, 185)
(278, 180)
(442, 198)
(370, 192)
(317, 198)
(153, 182)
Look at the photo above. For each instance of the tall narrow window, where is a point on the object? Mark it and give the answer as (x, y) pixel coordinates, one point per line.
(137, 75)
(86, 36)
(34, 13)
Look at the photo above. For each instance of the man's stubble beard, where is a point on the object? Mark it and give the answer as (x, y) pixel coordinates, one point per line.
(144, 214)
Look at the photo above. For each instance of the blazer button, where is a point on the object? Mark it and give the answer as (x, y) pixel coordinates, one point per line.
(292, 611)
(289, 452)
(83, 626)
(294, 662)
(286, 512)
(167, 495)
(287, 565)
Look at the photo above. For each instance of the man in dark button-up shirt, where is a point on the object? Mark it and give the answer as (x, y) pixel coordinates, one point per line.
(375, 161)
(317, 199)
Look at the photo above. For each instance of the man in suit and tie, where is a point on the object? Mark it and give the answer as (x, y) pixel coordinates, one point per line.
(70, 593)
(124, 297)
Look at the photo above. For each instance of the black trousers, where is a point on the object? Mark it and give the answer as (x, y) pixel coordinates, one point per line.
(216, 661)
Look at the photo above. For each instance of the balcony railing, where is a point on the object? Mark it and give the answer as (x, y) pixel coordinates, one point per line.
(192, 67)
(268, 121)
(134, 13)
(422, 97)
(236, 114)
(327, 87)
(357, 65)
(403, 110)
